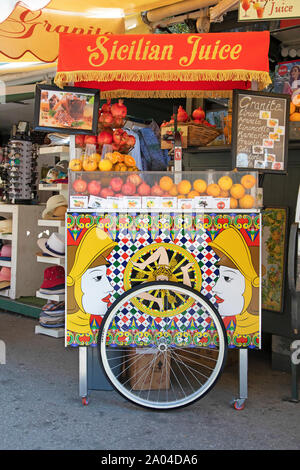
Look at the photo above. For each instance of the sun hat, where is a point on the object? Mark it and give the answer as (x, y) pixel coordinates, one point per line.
(53, 246)
(5, 274)
(54, 203)
(58, 173)
(5, 252)
(53, 276)
(6, 226)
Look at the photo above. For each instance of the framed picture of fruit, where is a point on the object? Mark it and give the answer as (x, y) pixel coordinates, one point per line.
(69, 110)
(260, 131)
(274, 246)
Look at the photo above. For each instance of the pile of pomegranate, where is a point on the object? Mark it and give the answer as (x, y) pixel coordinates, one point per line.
(110, 122)
(198, 117)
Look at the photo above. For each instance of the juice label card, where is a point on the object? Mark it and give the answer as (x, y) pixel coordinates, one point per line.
(96, 202)
(79, 202)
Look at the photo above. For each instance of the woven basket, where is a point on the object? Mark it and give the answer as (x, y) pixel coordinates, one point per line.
(200, 135)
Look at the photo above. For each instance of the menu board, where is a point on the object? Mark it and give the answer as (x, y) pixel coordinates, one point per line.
(260, 131)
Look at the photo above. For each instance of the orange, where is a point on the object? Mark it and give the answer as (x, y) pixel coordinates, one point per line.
(181, 196)
(193, 194)
(105, 165)
(166, 183)
(213, 189)
(95, 156)
(224, 193)
(200, 185)
(75, 164)
(246, 202)
(233, 203)
(184, 187)
(129, 160)
(89, 164)
(248, 181)
(225, 182)
(237, 191)
(292, 108)
(173, 190)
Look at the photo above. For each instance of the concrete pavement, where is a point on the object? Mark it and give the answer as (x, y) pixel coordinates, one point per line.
(41, 409)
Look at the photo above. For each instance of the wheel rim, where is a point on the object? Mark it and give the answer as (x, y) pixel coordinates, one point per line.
(168, 370)
(178, 257)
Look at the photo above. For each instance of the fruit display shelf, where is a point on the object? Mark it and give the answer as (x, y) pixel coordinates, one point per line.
(158, 190)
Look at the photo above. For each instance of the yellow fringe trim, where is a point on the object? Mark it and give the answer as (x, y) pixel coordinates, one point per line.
(121, 93)
(263, 78)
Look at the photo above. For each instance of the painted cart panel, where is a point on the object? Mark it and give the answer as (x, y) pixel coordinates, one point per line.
(215, 253)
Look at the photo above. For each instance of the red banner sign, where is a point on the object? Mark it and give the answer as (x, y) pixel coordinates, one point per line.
(184, 58)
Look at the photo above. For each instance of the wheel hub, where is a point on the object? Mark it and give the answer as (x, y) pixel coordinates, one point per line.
(162, 344)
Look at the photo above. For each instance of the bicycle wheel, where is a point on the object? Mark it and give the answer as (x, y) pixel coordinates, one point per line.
(159, 362)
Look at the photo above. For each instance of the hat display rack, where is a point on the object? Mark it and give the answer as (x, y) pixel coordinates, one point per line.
(19, 172)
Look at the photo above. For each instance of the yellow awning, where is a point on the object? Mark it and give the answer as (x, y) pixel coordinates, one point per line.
(33, 35)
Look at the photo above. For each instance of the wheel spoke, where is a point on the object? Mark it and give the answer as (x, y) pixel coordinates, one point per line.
(164, 376)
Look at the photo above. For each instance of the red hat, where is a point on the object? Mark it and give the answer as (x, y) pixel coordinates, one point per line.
(53, 276)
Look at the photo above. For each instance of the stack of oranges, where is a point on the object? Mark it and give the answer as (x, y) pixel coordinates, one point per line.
(224, 188)
(113, 161)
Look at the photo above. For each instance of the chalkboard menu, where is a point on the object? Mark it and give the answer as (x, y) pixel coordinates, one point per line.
(260, 131)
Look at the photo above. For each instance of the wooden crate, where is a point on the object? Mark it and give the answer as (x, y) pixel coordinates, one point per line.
(192, 135)
(143, 377)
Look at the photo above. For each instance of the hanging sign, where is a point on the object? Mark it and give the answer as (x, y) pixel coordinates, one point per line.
(260, 131)
(214, 58)
(268, 10)
(34, 35)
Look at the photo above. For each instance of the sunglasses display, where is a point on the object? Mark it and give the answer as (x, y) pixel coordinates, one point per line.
(18, 171)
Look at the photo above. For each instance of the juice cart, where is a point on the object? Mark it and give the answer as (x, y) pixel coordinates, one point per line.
(160, 282)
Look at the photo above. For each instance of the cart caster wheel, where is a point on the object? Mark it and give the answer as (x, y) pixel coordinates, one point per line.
(84, 401)
(238, 405)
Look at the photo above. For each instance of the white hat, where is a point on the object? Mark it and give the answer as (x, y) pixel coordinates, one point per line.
(53, 202)
(53, 246)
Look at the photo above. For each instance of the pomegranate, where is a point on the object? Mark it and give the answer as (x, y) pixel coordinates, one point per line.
(156, 190)
(105, 192)
(128, 189)
(79, 140)
(118, 122)
(144, 189)
(119, 109)
(105, 137)
(116, 184)
(198, 114)
(79, 185)
(90, 139)
(118, 136)
(94, 187)
(134, 179)
(182, 115)
(130, 142)
(106, 119)
(106, 107)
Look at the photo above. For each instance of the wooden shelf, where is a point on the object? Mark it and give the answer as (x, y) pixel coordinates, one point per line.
(54, 332)
(5, 293)
(51, 260)
(58, 149)
(54, 297)
(51, 223)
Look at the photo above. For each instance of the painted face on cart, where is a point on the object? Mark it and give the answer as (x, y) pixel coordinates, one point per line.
(228, 291)
(96, 290)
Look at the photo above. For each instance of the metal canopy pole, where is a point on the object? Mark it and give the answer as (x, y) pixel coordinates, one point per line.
(239, 403)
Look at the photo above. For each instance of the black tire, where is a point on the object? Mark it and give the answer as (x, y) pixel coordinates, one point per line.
(109, 356)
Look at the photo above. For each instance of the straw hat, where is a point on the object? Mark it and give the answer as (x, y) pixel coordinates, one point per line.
(6, 226)
(52, 210)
